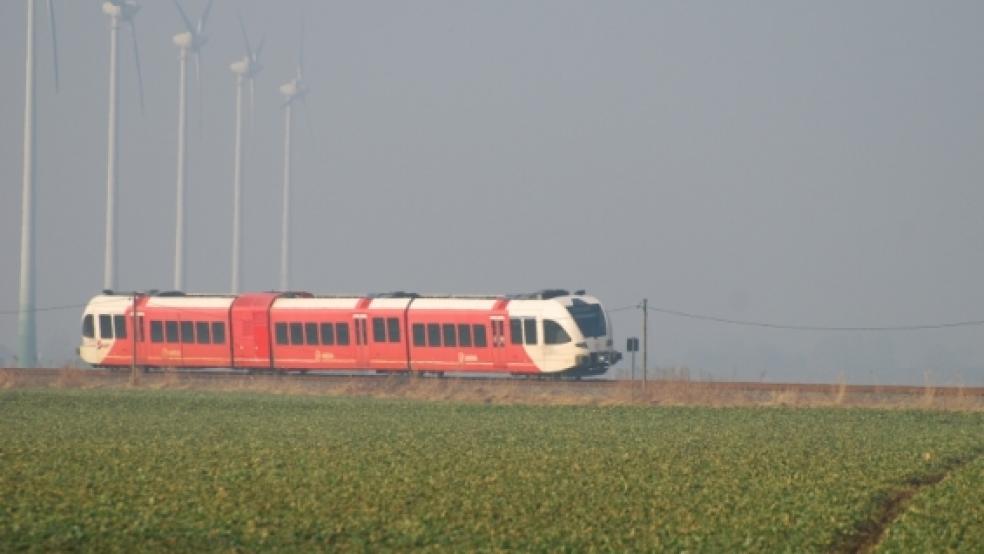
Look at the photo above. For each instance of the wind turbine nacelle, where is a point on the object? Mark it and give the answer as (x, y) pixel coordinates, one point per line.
(245, 67)
(240, 67)
(184, 40)
(111, 9)
(120, 8)
(291, 89)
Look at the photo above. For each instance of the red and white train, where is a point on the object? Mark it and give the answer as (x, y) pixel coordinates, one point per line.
(551, 332)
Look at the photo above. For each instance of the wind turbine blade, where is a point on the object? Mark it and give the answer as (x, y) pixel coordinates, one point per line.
(300, 55)
(309, 124)
(252, 102)
(242, 27)
(198, 66)
(184, 17)
(201, 89)
(54, 40)
(204, 18)
(259, 49)
(136, 59)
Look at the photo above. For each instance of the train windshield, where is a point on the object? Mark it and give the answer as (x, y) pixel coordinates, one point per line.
(589, 317)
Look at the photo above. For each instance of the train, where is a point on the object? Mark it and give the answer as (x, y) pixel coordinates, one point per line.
(551, 332)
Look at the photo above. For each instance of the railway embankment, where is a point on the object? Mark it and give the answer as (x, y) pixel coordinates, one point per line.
(523, 391)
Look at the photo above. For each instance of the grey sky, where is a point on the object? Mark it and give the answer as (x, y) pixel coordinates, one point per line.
(815, 163)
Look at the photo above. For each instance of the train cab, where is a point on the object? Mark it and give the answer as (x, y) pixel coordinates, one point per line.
(562, 333)
(107, 330)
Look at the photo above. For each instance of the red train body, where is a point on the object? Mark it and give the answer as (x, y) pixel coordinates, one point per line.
(551, 332)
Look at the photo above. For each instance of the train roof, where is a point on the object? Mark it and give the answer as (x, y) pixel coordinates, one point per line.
(544, 294)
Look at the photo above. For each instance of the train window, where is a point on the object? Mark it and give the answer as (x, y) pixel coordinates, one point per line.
(202, 334)
(296, 333)
(119, 326)
(105, 327)
(516, 331)
(433, 334)
(418, 334)
(378, 329)
(88, 327)
(327, 334)
(156, 331)
(450, 336)
(553, 333)
(479, 332)
(311, 333)
(280, 330)
(188, 332)
(140, 328)
(218, 332)
(464, 334)
(342, 331)
(529, 330)
(393, 327)
(171, 331)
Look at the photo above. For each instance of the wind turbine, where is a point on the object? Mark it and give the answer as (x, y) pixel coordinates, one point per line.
(293, 90)
(246, 68)
(118, 11)
(27, 351)
(188, 42)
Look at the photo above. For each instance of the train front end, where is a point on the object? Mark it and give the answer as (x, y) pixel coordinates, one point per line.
(104, 331)
(594, 351)
(576, 336)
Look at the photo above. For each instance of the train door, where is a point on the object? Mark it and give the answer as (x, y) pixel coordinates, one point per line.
(244, 348)
(125, 329)
(361, 340)
(522, 350)
(498, 342)
(251, 348)
(122, 350)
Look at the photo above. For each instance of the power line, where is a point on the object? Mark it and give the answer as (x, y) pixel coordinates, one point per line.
(93, 302)
(768, 325)
(700, 317)
(46, 309)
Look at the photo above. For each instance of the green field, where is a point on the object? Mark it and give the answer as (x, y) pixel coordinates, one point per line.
(127, 470)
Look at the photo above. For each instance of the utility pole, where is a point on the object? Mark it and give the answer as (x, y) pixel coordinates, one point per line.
(645, 341)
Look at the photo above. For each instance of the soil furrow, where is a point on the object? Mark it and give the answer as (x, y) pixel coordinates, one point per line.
(869, 533)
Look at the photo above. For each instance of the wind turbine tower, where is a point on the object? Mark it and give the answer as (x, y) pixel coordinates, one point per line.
(119, 11)
(188, 42)
(294, 90)
(27, 351)
(245, 69)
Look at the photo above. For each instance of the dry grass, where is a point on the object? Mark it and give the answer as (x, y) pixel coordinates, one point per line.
(678, 392)
(71, 378)
(841, 392)
(8, 379)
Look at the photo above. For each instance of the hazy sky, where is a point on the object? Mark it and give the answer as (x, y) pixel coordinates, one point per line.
(809, 163)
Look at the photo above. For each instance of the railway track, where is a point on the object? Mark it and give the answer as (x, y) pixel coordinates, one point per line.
(722, 386)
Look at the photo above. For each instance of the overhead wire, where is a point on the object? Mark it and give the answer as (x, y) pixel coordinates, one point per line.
(790, 327)
(696, 316)
(45, 309)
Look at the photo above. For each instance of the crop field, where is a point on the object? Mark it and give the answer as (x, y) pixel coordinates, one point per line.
(183, 470)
